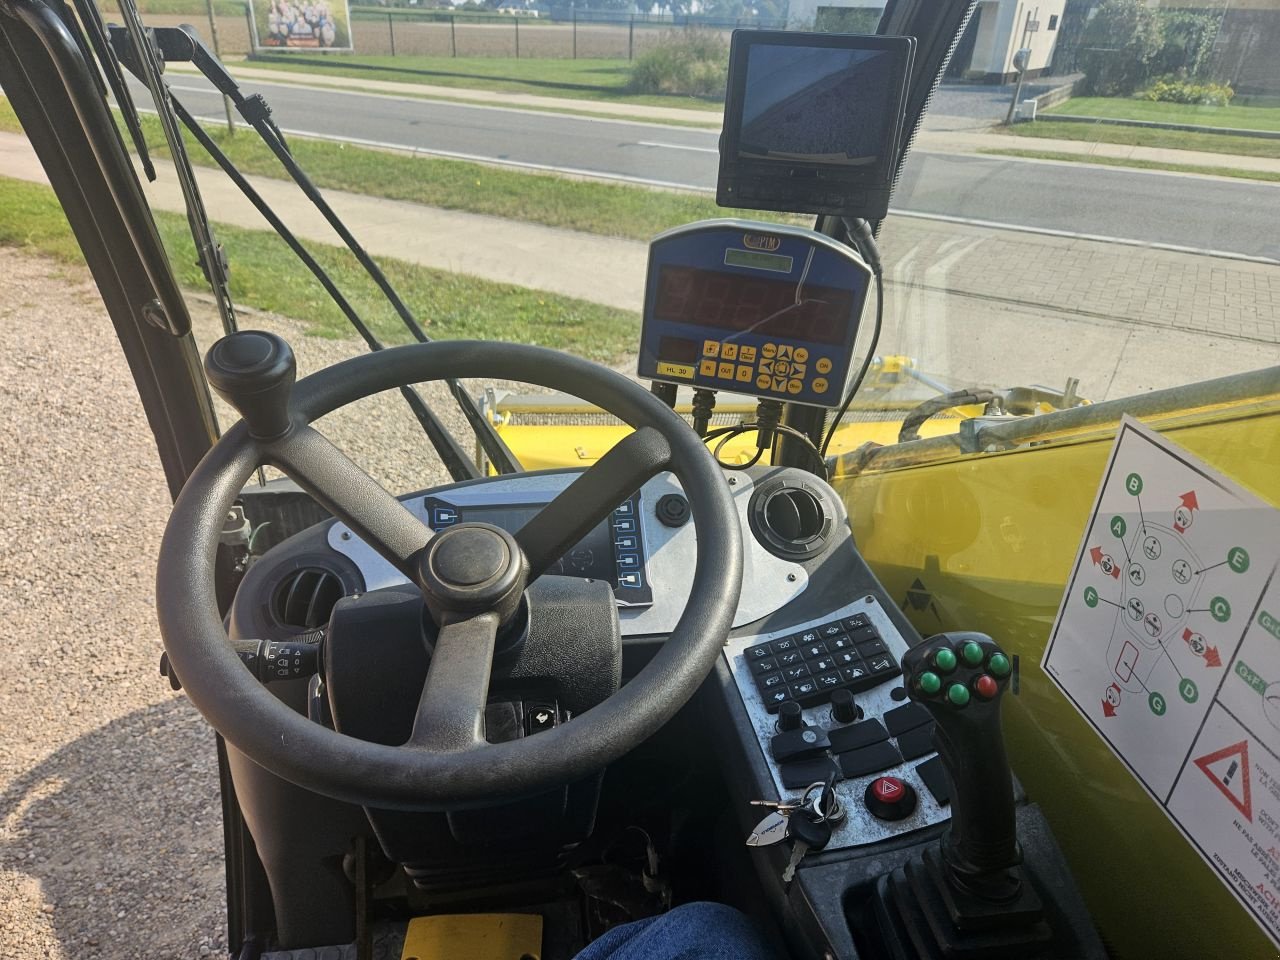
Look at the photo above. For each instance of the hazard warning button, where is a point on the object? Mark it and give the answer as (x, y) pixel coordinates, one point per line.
(890, 798)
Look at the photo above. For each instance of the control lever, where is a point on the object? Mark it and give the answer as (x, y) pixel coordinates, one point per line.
(960, 679)
(269, 660)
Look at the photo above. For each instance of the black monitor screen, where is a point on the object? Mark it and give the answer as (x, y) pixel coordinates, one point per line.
(819, 104)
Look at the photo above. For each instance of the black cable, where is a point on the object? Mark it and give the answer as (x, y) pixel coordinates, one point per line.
(862, 371)
(725, 434)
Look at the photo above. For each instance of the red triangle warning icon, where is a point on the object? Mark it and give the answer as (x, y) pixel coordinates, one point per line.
(888, 789)
(1228, 768)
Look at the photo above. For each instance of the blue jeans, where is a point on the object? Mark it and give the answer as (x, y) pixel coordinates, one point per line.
(695, 931)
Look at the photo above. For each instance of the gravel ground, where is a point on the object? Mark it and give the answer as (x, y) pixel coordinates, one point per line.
(110, 832)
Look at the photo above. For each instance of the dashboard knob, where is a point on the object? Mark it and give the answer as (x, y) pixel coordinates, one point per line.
(790, 716)
(843, 709)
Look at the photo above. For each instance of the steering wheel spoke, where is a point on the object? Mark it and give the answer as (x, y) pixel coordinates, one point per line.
(349, 493)
(451, 710)
(592, 497)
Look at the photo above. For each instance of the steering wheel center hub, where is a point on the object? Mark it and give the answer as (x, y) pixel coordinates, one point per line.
(472, 567)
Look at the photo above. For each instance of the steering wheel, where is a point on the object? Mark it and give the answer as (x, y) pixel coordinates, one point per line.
(472, 576)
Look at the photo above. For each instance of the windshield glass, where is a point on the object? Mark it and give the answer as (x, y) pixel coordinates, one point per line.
(1088, 207)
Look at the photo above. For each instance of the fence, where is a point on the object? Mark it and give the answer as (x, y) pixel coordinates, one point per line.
(404, 33)
(573, 36)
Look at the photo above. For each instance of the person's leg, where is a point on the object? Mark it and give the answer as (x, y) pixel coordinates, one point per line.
(695, 931)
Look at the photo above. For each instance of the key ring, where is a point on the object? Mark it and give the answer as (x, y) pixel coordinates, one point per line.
(835, 814)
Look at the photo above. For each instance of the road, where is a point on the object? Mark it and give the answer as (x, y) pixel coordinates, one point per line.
(1143, 206)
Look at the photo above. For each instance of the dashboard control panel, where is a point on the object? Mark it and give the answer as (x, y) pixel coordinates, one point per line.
(879, 749)
(613, 551)
(755, 308)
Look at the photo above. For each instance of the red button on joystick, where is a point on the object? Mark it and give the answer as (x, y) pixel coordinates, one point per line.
(890, 798)
(986, 686)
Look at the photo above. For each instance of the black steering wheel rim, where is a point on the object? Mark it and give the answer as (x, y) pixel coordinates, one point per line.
(310, 755)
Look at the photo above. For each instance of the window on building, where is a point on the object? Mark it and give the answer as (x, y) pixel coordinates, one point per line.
(1053, 21)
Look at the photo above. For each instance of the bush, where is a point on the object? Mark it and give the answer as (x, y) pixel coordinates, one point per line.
(1182, 91)
(1117, 48)
(690, 63)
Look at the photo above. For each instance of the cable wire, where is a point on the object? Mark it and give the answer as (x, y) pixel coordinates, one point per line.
(862, 371)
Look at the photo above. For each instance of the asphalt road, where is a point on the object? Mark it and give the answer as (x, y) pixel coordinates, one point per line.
(1144, 206)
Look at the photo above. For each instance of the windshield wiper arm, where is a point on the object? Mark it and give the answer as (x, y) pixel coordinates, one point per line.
(183, 44)
(450, 452)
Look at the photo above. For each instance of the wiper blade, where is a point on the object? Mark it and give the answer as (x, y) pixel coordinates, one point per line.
(142, 58)
(95, 34)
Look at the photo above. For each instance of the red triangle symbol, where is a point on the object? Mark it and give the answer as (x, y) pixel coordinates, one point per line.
(888, 789)
(1228, 768)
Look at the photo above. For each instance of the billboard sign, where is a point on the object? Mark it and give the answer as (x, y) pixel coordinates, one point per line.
(301, 25)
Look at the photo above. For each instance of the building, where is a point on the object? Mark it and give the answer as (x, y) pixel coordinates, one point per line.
(997, 30)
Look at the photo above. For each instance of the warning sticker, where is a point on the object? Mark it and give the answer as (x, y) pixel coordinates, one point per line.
(1168, 643)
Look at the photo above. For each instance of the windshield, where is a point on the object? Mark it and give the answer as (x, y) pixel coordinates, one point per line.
(1088, 207)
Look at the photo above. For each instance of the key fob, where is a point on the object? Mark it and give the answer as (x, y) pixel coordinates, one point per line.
(803, 828)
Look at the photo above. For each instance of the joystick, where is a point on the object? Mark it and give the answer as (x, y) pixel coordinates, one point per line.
(254, 372)
(969, 890)
(960, 678)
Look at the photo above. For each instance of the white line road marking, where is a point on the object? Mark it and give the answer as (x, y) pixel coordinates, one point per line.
(677, 146)
(690, 188)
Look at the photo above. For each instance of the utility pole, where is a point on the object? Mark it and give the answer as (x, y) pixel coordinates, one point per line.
(213, 37)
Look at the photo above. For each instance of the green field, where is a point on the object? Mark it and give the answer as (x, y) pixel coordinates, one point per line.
(1267, 175)
(265, 275)
(614, 210)
(603, 80)
(1144, 137)
(1130, 108)
(192, 8)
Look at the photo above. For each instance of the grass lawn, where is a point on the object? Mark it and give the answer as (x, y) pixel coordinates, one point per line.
(264, 274)
(604, 80)
(1269, 175)
(1130, 108)
(615, 210)
(193, 8)
(1145, 137)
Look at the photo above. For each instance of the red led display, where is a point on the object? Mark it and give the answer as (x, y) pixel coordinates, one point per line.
(768, 308)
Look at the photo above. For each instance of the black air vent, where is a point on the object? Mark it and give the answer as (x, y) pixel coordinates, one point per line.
(791, 520)
(306, 598)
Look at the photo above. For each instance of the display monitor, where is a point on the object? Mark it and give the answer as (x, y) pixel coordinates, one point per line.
(813, 122)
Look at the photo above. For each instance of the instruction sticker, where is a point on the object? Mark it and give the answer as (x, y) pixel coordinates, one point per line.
(1168, 643)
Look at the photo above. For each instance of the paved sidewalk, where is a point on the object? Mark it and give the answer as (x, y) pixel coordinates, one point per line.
(973, 304)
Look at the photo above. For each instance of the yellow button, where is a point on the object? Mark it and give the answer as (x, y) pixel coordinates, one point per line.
(801, 354)
(744, 373)
(725, 372)
(769, 350)
(747, 354)
(766, 366)
(779, 383)
(711, 348)
(795, 386)
(729, 351)
(762, 381)
(820, 384)
(797, 369)
(681, 370)
(823, 365)
(707, 368)
(784, 352)
(781, 368)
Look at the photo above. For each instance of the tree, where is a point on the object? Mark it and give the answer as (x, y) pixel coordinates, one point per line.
(1118, 47)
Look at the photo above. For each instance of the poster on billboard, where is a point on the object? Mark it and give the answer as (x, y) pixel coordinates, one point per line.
(301, 25)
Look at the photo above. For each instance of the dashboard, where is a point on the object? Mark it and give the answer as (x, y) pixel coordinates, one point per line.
(812, 625)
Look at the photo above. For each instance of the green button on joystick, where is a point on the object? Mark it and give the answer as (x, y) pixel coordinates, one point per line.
(944, 659)
(999, 665)
(930, 682)
(958, 694)
(972, 653)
